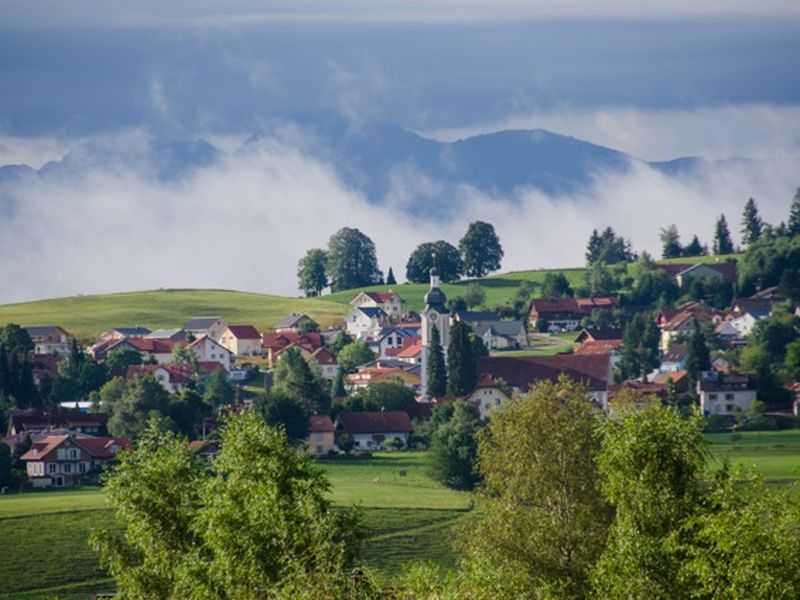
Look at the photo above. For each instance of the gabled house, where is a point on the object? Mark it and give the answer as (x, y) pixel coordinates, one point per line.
(366, 322)
(675, 358)
(292, 322)
(148, 349)
(326, 361)
(565, 314)
(683, 273)
(321, 433)
(366, 376)
(69, 460)
(488, 394)
(725, 393)
(520, 373)
(22, 422)
(390, 302)
(599, 335)
(119, 333)
(213, 327)
(207, 350)
(50, 339)
(174, 335)
(412, 354)
(205, 449)
(242, 340)
(391, 339)
(728, 334)
(175, 378)
(612, 348)
(680, 324)
(373, 430)
(274, 342)
(502, 335)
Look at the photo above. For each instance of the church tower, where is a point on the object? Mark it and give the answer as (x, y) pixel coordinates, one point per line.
(434, 313)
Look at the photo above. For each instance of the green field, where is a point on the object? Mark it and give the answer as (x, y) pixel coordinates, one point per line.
(776, 454)
(408, 517)
(88, 316)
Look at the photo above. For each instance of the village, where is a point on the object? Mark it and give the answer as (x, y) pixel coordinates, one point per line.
(383, 351)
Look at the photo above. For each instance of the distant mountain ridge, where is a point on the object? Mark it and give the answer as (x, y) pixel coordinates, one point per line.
(378, 159)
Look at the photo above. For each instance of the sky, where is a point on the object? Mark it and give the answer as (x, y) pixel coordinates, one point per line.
(699, 78)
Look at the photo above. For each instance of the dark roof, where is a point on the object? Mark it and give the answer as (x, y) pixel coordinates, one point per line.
(42, 330)
(372, 311)
(244, 332)
(320, 424)
(727, 269)
(599, 335)
(758, 307)
(131, 331)
(503, 328)
(167, 334)
(374, 422)
(201, 323)
(292, 321)
(676, 352)
(70, 420)
(522, 371)
(712, 381)
(572, 306)
(467, 316)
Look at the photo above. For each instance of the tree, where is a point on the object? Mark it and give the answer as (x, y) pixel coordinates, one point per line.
(136, 403)
(311, 272)
(294, 376)
(793, 228)
(480, 249)
(308, 326)
(351, 260)
(390, 279)
(445, 257)
(120, 359)
(183, 355)
(698, 356)
(652, 462)
(608, 248)
(722, 237)
(218, 391)
(541, 523)
(287, 411)
(460, 361)
(341, 340)
(751, 223)
(16, 339)
(436, 368)
(695, 248)
(64, 389)
(6, 473)
(601, 279)
(555, 285)
(92, 376)
(26, 389)
(474, 295)
(354, 355)
(670, 242)
(381, 396)
(337, 387)
(454, 448)
(346, 443)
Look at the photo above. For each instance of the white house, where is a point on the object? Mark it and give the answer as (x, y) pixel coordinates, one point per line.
(326, 360)
(50, 339)
(744, 324)
(213, 327)
(725, 393)
(389, 302)
(486, 396)
(365, 322)
(391, 339)
(373, 430)
(207, 350)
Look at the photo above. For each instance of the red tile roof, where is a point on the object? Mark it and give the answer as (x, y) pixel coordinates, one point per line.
(278, 340)
(521, 372)
(375, 422)
(571, 306)
(598, 347)
(320, 424)
(410, 351)
(324, 356)
(244, 332)
(98, 447)
(150, 346)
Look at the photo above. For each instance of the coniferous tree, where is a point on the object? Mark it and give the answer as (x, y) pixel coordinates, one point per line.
(751, 223)
(5, 374)
(698, 357)
(695, 248)
(13, 377)
(593, 247)
(793, 228)
(26, 389)
(437, 370)
(722, 237)
(390, 279)
(337, 387)
(460, 361)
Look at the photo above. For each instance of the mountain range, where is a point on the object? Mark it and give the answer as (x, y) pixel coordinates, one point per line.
(376, 159)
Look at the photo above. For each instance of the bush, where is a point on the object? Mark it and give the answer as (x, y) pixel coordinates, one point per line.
(719, 423)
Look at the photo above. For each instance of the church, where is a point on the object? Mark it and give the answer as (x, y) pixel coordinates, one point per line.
(436, 314)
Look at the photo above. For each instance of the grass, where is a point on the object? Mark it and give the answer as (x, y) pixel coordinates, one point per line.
(776, 454)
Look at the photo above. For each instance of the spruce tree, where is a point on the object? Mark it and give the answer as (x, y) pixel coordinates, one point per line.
(460, 361)
(751, 223)
(5, 374)
(722, 237)
(26, 390)
(698, 358)
(337, 387)
(437, 371)
(670, 242)
(390, 279)
(794, 215)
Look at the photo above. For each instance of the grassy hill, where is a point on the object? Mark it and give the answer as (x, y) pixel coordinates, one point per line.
(88, 316)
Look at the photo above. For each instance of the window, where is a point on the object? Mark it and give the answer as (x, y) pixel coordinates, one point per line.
(72, 453)
(82, 467)
(319, 437)
(66, 468)
(729, 407)
(728, 396)
(319, 449)
(52, 467)
(712, 396)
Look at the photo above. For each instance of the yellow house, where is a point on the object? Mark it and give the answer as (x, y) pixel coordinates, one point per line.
(320, 438)
(242, 340)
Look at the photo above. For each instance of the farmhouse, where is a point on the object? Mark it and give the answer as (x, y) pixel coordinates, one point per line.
(119, 333)
(207, 350)
(292, 323)
(241, 340)
(684, 273)
(275, 342)
(565, 314)
(366, 321)
(22, 422)
(389, 302)
(50, 339)
(213, 327)
(725, 393)
(69, 460)
(373, 430)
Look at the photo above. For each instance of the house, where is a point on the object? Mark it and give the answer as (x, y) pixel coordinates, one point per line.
(412, 353)
(684, 273)
(502, 335)
(293, 322)
(565, 314)
(725, 393)
(743, 324)
(759, 308)
(119, 333)
(274, 342)
(205, 449)
(213, 327)
(149, 349)
(373, 430)
(599, 335)
(326, 361)
(520, 373)
(242, 340)
(675, 358)
(680, 380)
(682, 324)
(639, 388)
(389, 302)
(207, 350)
(488, 394)
(366, 322)
(320, 438)
(728, 334)
(391, 339)
(175, 335)
(366, 376)
(612, 348)
(174, 378)
(22, 422)
(50, 339)
(70, 459)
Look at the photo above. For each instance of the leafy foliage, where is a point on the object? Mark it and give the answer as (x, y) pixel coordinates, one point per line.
(436, 368)
(282, 409)
(454, 448)
(15, 339)
(480, 249)
(444, 256)
(294, 376)
(555, 285)
(354, 355)
(670, 242)
(351, 260)
(474, 295)
(607, 247)
(312, 274)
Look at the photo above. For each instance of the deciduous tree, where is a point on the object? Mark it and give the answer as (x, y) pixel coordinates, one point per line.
(441, 254)
(454, 448)
(312, 272)
(351, 260)
(480, 249)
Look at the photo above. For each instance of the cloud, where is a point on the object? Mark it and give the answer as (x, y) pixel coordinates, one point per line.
(204, 13)
(714, 132)
(243, 222)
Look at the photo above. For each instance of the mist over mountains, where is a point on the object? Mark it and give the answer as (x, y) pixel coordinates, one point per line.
(384, 162)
